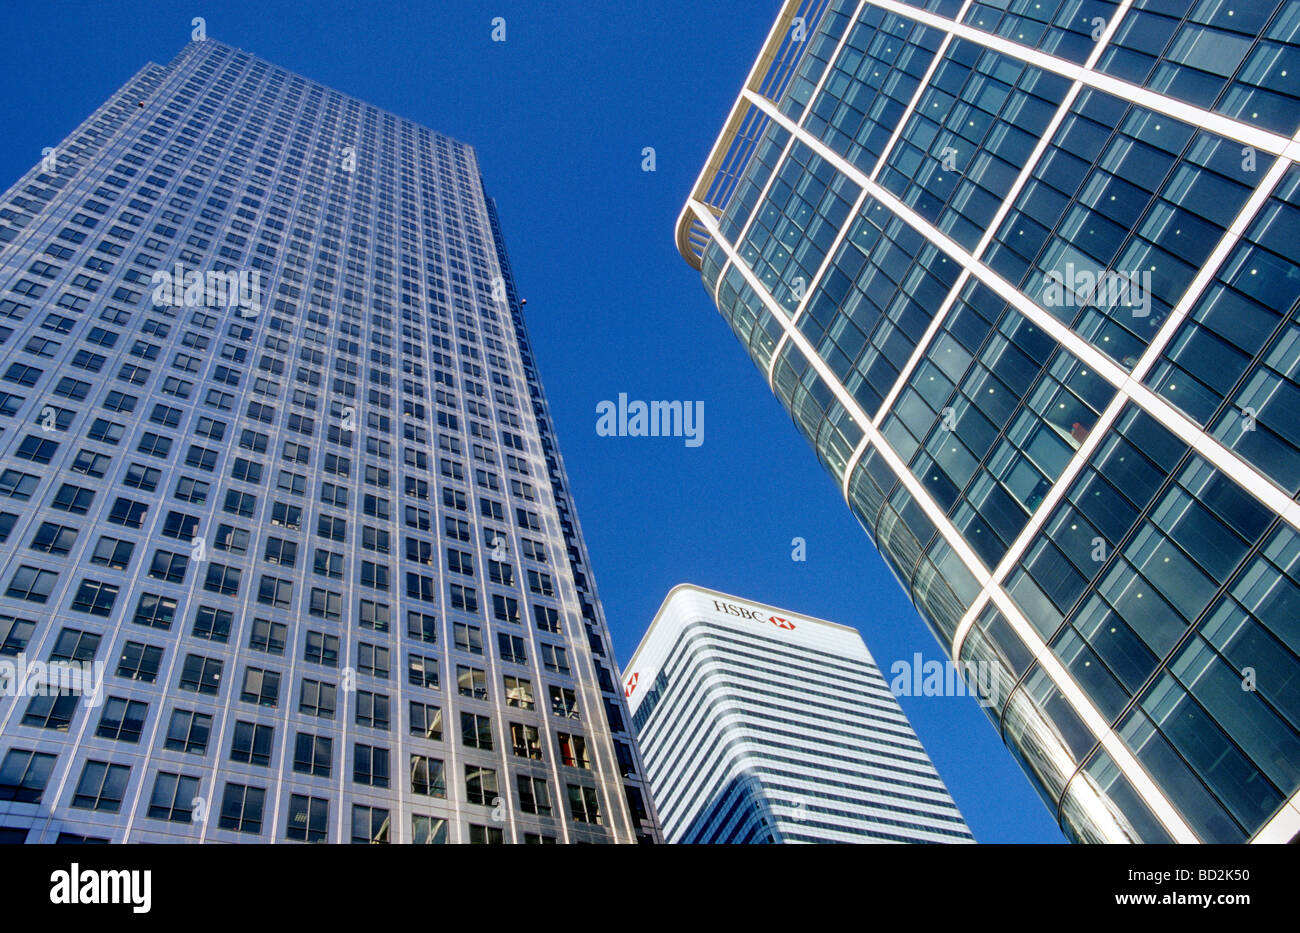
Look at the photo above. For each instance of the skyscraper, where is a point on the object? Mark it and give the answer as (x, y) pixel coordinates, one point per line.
(1026, 277)
(276, 455)
(759, 725)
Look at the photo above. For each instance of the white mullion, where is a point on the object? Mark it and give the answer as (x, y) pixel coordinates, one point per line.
(1284, 825)
(813, 285)
(749, 221)
(785, 153)
(1245, 133)
(1255, 482)
(921, 86)
(1074, 695)
(1004, 208)
(1154, 405)
(916, 95)
(1096, 723)
(851, 406)
(812, 99)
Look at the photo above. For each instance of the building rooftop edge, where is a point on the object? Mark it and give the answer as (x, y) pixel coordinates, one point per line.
(681, 588)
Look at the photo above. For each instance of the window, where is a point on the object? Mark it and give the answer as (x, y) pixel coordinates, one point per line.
(525, 741)
(547, 619)
(534, 795)
(469, 638)
(372, 660)
(464, 598)
(505, 608)
(74, 645)
(241, 808)
(24, 774)
(312, 754)
(422, 626)
(112, 553)
(229, 538)
(584, 805)
(555, 658)
(308, 819)
(188, 731)
(317, 699)
(173, 797)
(168, 566)
(139, 662)
(564, 702)
(511, 648)
(476, 731)
(251, 743)
(261, 687)
(471, 682)
(32, 584)
(372, 709)
(370, 765)
(122, 719)
(369, 825)
(323, 649)
(326, 604)
(142, 477)
(54, 539)
(51, 711)
(273, 592)
(102, 787)
(428, 830)
(15, 633)
(373, 615)
(426, 721)
(519, 693)
(540, 583)
(155, 611)
(573, 750)
(481, 786)
(94, 597)
(268, 637)
(428, 776)
(213, 624)
(485, 835)
(200, 674)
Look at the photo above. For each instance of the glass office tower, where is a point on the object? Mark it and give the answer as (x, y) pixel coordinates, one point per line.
(276, 456)
(761, 725)
(1026, 275)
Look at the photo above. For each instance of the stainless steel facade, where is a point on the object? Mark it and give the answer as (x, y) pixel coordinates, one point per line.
(306, 510)
(1027, 276)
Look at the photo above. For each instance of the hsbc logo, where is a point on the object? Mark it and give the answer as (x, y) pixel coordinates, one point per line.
(731, 609)
(631, 684)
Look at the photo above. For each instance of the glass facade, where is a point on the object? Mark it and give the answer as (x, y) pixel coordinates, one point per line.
(1027, 277)
(276, 461)
(762, 726)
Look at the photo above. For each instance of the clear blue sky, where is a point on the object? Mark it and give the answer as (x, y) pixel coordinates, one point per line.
(559, 114)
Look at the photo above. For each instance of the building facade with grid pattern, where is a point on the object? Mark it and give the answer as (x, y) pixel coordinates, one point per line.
(759, 725)
(274, 456)
(1026, 275)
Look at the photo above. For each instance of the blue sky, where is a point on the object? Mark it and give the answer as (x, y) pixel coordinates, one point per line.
(560, 113)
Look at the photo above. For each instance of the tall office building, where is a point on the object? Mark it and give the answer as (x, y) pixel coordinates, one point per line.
(759, 725)
(1026, 276)
(275, 454)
